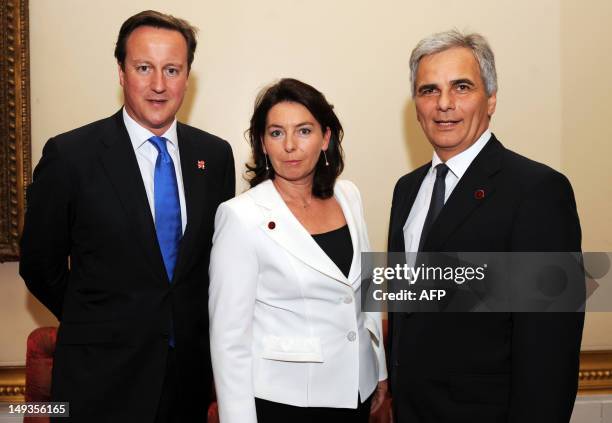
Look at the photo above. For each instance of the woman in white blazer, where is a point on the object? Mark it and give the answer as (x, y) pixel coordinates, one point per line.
(289, 342)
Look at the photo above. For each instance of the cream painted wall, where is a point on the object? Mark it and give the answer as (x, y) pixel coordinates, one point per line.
(356, 52)
(586, 132)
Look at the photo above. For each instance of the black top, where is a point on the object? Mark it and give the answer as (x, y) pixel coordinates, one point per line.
(338, 245)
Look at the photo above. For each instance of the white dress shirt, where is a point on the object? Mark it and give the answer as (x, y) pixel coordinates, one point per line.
(146, 155)
(457, 166)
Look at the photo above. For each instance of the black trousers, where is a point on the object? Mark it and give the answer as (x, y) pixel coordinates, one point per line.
(169, 408)
(173, 407)
(273, 412)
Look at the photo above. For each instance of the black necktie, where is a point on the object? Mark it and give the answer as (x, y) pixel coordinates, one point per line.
(437, 202)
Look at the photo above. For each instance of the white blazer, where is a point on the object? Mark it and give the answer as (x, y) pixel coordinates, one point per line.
(285, 323)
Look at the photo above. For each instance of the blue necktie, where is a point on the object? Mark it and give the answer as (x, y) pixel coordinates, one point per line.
(167, 207)
(167, 211)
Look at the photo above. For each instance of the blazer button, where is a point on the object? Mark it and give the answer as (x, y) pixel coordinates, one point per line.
(348, 300)
(351, 336)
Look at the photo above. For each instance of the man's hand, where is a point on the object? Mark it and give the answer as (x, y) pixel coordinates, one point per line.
(380, 395)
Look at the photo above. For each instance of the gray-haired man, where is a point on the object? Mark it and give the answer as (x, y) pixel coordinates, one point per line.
(476, 195)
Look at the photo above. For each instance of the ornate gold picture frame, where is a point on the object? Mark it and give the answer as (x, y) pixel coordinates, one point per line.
(15, 144)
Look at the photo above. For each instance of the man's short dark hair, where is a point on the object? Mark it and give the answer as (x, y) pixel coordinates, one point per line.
(156, 20)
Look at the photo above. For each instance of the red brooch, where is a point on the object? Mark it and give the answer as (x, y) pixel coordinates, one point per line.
(271, 225)
(201, 164)
(479, 194)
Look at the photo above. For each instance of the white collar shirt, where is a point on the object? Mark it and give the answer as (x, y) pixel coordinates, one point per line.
(457, 166)
(146, 156)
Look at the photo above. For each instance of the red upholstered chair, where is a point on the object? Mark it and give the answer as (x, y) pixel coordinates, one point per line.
(39, 362)
(213, 413)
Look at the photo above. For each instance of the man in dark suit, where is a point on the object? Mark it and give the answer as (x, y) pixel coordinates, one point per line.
(117, 239)
(476, 195)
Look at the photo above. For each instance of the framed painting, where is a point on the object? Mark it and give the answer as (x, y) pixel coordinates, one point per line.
(15, 141)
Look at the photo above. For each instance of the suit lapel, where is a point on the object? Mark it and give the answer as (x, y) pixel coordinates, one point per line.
(120, 164)
(474, 189)
(282, 226)
(353, 225)
(195, 186)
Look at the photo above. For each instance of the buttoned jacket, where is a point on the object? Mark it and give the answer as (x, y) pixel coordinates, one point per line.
(286, 323)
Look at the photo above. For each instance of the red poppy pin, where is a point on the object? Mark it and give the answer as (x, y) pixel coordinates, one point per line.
(201, 164)
(271, 224)
(479, 194)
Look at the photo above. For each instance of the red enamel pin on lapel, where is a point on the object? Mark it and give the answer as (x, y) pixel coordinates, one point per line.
(271, 225)
(201, 164)
(479, 194)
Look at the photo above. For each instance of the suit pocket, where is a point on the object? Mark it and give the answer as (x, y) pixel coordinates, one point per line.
(297, 349)
(483, 389)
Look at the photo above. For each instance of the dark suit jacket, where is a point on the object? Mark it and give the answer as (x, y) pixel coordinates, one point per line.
(493, 367)
(89, 252)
